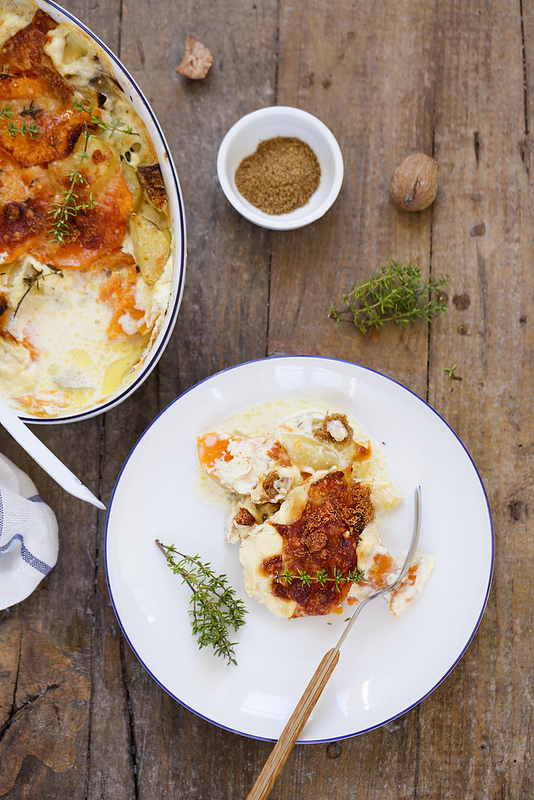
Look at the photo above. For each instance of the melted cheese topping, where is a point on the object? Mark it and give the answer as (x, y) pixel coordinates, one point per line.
(327, 519)
(81, 307)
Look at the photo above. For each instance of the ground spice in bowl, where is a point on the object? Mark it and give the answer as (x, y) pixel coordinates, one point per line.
(280, 176)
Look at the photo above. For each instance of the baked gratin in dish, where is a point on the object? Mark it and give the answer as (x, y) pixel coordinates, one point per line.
(91, 221)
(307, 503)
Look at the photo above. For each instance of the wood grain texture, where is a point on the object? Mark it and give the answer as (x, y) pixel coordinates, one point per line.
(79, 716)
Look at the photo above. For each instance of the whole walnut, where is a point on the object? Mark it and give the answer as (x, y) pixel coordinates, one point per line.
(414, 183)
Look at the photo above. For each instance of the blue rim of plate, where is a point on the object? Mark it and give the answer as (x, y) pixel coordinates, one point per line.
(488, 588)
(155, 354)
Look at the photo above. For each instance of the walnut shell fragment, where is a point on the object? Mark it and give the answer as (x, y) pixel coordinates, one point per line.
(414, 184)
(197, 60)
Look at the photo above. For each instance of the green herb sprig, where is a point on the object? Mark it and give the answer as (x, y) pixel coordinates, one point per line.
(71, 205)
(322, 577)
(103, 127)
(451, 372)
(31, 111)
(214, 607)
(396, 293)
(30, 129)
(34, 280)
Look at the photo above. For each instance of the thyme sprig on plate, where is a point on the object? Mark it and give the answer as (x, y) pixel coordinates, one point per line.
(321, 577)
(396, 293)
(34, 280)
(71, 204)
(103, 127)
(30, 129)
(214, 608)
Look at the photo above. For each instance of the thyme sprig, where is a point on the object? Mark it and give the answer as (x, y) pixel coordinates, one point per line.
(103, 127)
(71, 204)
(30, 129)
(395, 293)
(214, 608)
(34, 280)
(31, 111)
(321, 577)
(451, 372)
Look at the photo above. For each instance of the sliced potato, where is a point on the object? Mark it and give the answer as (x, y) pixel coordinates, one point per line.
(76, 48)
(93, 157)
(152, 247)
(307, 453)
(132, 182)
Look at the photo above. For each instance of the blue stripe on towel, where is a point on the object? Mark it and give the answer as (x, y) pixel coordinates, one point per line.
(28, 557)
(35, 498)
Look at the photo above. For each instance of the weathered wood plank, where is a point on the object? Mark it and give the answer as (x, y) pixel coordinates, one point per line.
(478, 230)
(223, 320)
(341, 68)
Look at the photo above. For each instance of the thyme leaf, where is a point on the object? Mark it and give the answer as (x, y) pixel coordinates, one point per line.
(103, 127)
(395, 293)
(321, 577)
(214, 609)
(34, 280)
(451, 372)
(30, 129)
(31, 111)
(71, 204)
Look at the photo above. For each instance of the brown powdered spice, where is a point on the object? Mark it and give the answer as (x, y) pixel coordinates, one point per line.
(280, 176)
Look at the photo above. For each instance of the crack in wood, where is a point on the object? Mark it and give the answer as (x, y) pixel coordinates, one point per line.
(13, 710)
(430, 272)
(524, 152)
(119, 38)
(15, 713)
(482, 274)
(131, 725)
(524, 56)
(95, 593)
(476, 145)
(91, 698)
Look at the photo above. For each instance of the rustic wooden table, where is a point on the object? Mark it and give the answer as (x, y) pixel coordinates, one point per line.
(80, 718)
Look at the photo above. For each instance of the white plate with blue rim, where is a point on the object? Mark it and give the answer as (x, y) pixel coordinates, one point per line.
(388, 664)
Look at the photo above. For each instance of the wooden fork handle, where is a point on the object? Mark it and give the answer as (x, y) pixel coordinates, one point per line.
(295, 724)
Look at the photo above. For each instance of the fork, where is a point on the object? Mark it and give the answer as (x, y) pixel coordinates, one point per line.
(275, 762)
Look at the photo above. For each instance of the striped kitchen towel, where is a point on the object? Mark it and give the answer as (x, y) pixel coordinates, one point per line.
(28, 535)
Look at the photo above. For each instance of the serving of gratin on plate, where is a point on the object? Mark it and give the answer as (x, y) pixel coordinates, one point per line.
(91, 250)
(307, 502)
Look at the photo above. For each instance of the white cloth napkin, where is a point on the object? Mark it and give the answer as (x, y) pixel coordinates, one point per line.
(28, 535)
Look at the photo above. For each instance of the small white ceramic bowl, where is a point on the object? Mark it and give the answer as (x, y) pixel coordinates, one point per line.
(266, 123)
